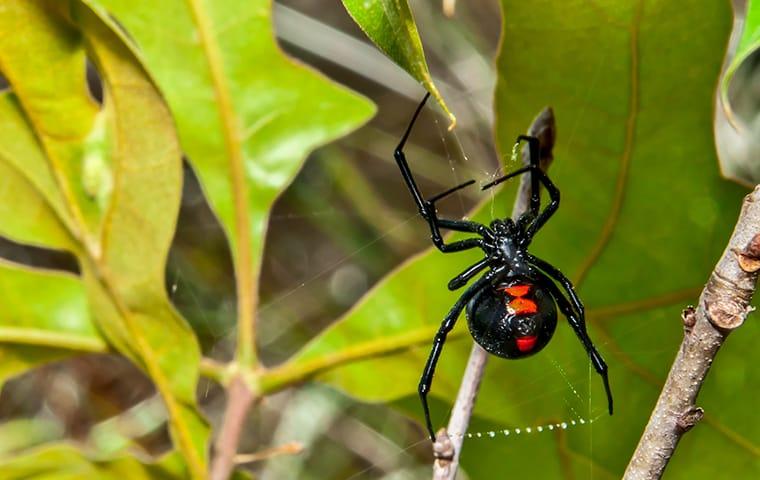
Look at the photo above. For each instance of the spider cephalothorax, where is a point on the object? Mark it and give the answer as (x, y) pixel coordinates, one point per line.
(511, 308)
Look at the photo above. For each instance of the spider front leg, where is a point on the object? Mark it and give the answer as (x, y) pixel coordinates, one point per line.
(440, 338)
(577, 322)
(427, 207)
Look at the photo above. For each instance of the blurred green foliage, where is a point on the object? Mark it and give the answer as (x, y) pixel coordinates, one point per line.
(644, 216)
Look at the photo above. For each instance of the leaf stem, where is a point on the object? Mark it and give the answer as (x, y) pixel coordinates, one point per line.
(247, 289)
(216, 371)
(288, 374)
(240, 394)
(49, 338)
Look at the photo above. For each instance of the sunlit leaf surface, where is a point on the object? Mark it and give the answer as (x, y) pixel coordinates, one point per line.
(644, 216)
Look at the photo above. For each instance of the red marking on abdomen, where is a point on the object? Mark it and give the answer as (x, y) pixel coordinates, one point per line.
(518, 290)
(522, 306)
(526, 344)
(519, 304)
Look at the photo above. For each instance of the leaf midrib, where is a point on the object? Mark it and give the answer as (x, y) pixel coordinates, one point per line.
(245, 282)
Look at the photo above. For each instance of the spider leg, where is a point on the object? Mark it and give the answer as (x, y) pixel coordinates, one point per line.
(578, 324)
(460, 280)
(448, 323)
(555, 274)
(547, 212)
(537, 176)
(427, 207)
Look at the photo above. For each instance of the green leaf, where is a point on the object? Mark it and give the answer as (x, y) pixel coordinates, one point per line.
(247, 115)
(644, 216)
(63, 462)
(748, 44)
(47, 99)
(110, 179)
(56, 324)
(30, 204)
(390, 25)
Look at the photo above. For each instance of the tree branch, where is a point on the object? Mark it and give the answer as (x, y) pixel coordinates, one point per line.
(448, 446)
(723, 306)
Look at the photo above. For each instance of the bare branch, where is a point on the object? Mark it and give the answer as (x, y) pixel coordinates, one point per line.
(239, 400)
(449, 441)
(723, 306)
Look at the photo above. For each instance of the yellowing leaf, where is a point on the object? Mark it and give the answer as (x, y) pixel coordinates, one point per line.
(106, 184)
(246, 115)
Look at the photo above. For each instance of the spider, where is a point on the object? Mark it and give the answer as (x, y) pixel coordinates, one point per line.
(511, 308)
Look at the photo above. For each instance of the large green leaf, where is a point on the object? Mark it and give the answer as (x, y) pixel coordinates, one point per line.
(390, 25)
(644, 216)
(247, 116)
(55, 325)
(105, 184)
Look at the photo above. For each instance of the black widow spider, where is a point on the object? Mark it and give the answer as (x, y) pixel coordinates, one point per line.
(511, 308)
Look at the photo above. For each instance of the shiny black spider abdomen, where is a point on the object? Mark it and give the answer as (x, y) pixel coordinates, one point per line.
(515, 318)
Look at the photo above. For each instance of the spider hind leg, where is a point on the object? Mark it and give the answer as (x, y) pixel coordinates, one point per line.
(578, 324)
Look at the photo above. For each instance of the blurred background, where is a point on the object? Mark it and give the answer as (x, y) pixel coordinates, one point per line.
(345, 222)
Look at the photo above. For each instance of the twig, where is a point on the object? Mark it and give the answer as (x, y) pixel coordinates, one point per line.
(723, 306)
(239, 399)
(290, 448)
(448, 446)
